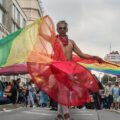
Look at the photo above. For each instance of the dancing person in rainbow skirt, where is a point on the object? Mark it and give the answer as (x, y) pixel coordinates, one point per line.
(68, 47)
(62, 76)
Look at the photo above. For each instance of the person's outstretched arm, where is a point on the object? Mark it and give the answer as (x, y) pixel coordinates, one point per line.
(81, 54)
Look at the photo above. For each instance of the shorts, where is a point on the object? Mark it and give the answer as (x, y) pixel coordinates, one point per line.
(116, 99)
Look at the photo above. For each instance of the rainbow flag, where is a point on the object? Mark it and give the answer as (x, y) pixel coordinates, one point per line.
(67, 82)
(105, 67)
(37, 45)
(16, 47)
(37, 40)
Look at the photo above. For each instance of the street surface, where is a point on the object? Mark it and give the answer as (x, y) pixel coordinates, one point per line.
(46, 114)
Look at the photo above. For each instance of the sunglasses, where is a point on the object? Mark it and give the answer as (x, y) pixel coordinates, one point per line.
(62, 28)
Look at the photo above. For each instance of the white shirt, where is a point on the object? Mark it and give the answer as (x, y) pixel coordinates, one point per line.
(108, 91)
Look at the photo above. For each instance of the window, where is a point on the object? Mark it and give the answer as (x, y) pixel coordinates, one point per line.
(1, 16)
(18, 18)
(13, 11)
(14, 27)
(1, 2)
(17, 15)
(16, 12)
(21, 21)
(24, 22)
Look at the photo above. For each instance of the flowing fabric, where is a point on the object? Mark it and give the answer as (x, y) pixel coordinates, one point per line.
(16, 47)
(67, 82)
(91, 64)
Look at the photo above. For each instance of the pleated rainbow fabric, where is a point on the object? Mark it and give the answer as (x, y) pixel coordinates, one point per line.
(16, 47)
(67, 82)
(105, 67)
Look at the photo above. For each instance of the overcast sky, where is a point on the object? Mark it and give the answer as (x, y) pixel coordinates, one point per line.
(93, 24)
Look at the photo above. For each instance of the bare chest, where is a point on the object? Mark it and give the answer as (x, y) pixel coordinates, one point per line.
(67, 48)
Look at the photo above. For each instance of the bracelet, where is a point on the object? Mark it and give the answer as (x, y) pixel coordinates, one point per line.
(91, 57)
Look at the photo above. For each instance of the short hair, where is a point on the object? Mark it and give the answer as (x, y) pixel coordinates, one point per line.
(62, 22)
(18, 79)
(15, 83)
(109, 82)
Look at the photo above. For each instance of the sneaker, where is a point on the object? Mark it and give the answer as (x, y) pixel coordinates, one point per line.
(34, 106)
(59, 117)
(84, 108)
(67, 116)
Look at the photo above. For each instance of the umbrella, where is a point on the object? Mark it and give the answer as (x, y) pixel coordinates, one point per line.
(14, 70)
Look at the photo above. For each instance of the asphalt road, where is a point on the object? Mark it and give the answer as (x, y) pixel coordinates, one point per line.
(46, 114)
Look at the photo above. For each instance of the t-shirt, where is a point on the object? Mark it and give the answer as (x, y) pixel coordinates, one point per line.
(30, 88)
(108, 90)
(116, 92)
(13, 97)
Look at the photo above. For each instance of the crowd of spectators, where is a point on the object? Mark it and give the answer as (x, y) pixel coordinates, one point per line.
(108, 96)
(112, 95)
(29, 94)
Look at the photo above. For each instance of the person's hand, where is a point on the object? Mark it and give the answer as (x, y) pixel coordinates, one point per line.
(100, 60)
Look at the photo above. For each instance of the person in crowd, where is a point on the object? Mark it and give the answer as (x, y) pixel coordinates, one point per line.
(18, 83)
(116, 95)
(108, 95)
(12, 94)
(7, 87)
(24, 93)
(43, 101)
(53, 104)
(31, 94)
(37, 96)
(97, 95)
(19, 88)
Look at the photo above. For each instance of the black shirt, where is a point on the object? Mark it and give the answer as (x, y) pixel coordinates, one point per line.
(13, 97)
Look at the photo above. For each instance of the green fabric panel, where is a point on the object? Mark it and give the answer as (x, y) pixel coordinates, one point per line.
(5, 46)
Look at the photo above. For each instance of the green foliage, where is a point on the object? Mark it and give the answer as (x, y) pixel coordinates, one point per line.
(107, 78)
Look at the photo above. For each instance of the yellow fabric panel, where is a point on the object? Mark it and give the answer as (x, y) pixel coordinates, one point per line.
(39, 57)
(44, 48)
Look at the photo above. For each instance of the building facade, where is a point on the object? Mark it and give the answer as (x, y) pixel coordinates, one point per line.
(12, 17)
(15, 14)
(114, 57)
(3, 28)
(32, 9)
(19, 18)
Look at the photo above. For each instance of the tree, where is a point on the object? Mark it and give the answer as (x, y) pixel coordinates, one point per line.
(107, 78)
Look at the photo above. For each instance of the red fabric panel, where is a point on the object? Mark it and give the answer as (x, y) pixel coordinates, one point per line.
(66, 82)
(76, 58)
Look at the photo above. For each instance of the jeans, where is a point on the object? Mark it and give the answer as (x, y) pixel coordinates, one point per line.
(62, 109)
(109, 101)
(30, 98)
